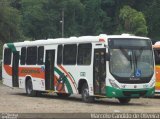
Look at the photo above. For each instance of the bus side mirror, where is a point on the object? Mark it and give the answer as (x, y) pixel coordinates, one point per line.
(107, 57)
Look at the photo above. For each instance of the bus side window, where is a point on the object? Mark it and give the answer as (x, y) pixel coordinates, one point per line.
(23, 56)
(69, 54)
(7, 56)
(59, 54)
(84, 54)
(31, 55)
(40, 55)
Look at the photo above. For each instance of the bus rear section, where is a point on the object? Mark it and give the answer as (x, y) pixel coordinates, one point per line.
(156, 48)
(10, 65)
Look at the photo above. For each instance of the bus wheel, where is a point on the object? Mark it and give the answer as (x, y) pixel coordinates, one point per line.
(85, 94)
(63, 95)
(124, 100)
(29, 89)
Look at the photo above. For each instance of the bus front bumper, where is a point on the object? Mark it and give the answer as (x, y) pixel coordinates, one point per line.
(130, 93)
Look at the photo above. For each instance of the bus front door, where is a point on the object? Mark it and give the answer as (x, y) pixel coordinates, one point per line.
(49, 69)
(99, 71)
(15, 65)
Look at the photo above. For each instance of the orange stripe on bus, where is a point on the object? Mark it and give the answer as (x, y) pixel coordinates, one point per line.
(8, 69)
(157, 73)
(23, 71)
(67, 74)
(157, 88)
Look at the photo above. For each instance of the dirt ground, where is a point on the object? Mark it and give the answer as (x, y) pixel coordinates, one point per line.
(14, 100)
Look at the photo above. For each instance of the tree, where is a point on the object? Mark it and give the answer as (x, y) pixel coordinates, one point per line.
(95, 19)
(152, 11)
(132, 21)
(9, 23)
(41, 18)
(35, 20)
(74, 13)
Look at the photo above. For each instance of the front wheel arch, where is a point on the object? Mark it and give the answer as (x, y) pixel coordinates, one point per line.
(80, 85)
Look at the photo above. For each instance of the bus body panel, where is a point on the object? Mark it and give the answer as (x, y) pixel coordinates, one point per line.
(66, 77)
(156, 48)
(157, 79)
(133, 90)
(7, 79)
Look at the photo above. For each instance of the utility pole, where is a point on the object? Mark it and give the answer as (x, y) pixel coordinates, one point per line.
(62, 21)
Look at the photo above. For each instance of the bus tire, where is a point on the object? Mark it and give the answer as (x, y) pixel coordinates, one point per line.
(124, 100)
(85, 94)
(63, 95)
(29, 88)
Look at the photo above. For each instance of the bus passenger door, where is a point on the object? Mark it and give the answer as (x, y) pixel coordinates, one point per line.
(99, 71)
(15, 65)
(49, 69)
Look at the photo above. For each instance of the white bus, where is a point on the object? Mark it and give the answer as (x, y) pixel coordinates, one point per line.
(113, 66)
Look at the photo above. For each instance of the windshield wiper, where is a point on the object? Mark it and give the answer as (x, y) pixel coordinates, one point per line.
(128, 56)
(135, 59)
(130, 60)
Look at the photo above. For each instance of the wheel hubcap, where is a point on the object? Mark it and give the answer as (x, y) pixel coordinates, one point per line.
(29, 88)
(86, 94)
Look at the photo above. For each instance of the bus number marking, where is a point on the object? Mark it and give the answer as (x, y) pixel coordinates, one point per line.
(83, 74)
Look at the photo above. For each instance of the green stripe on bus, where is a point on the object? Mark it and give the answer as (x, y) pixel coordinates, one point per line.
(66, 81)
(71, 76)
(73, 79)
(11, 46)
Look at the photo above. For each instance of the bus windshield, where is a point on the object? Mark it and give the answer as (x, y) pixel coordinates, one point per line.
(131, 58)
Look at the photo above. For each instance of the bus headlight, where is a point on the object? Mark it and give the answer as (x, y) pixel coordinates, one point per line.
(113, 83)
(152, 84)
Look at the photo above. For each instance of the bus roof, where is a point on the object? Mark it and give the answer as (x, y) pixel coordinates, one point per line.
(81, 39)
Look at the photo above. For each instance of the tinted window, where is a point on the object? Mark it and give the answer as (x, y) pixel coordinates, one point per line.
(157, 56)
(7, 56)
(40, 54)
(31, 55)
(69, 54)
(59, 55)
(23, 55)
(84, 54)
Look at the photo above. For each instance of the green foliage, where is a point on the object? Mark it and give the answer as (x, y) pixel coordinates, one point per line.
(132, 21)
(10, 19)
(34, 18)
(95, 19)
(74, 12)
(40, 19)
(152, 13)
